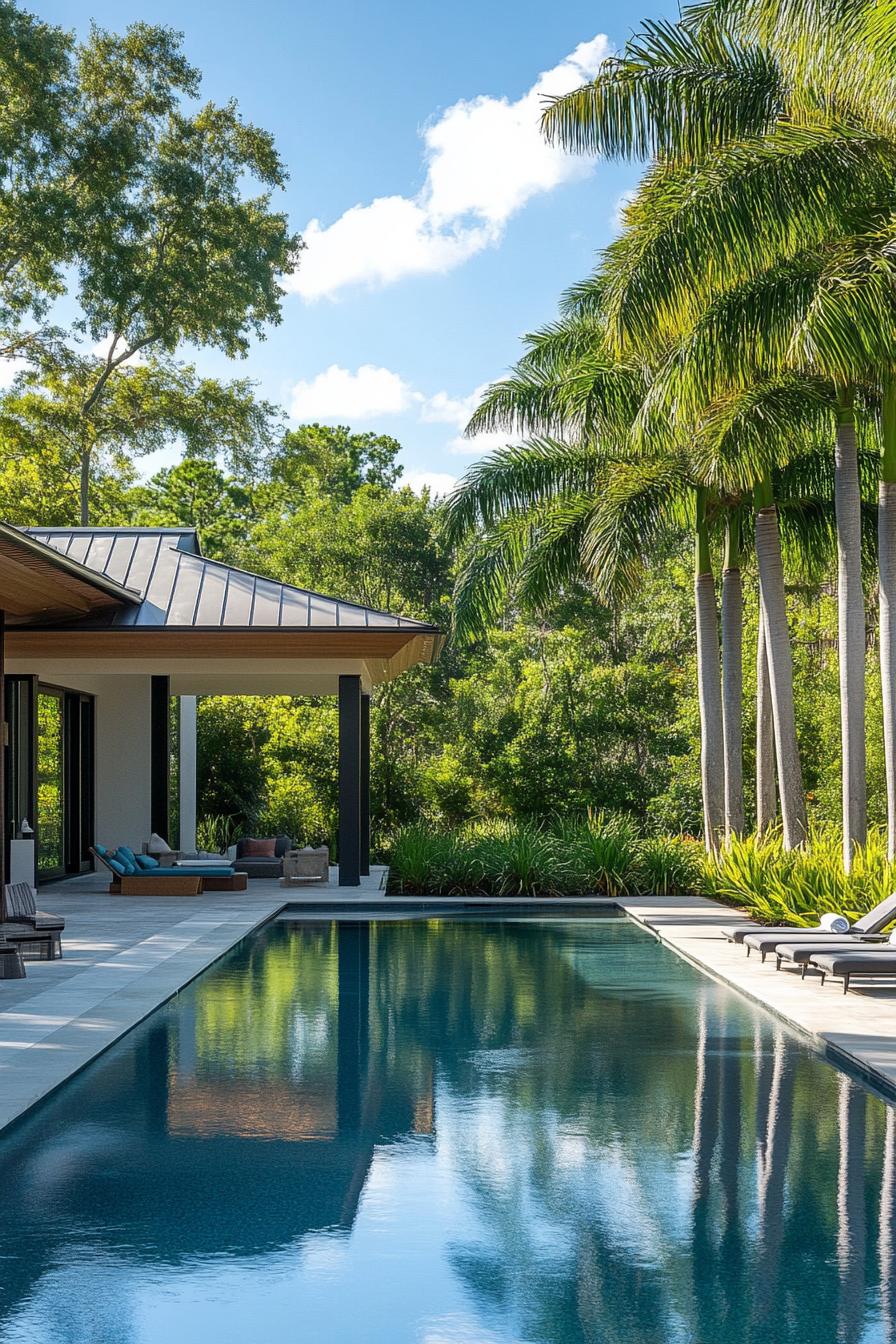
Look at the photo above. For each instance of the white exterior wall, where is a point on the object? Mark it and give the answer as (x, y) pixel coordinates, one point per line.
(122, 760)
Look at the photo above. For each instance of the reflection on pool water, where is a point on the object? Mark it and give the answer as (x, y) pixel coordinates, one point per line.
(452, 1132)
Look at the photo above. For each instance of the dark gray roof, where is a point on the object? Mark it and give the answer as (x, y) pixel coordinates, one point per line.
(180, 587)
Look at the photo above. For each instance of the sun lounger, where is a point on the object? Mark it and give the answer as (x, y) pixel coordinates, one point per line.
(874, 922)
(800, 953)
(143, 873)
(768, 942)
(845, 965)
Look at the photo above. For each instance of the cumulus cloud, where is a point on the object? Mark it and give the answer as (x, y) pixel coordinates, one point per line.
(339, 394)
(485, 158)
(371, 392)
(9, 369)
(620, 205)
(477, 445)
(439, 483)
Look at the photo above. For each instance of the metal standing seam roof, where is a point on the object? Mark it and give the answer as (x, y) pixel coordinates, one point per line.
(180, 588)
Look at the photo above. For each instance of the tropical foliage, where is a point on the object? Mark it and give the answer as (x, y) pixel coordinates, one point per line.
(670, 594)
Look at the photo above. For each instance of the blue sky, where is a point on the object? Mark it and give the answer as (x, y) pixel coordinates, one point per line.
(439, 227)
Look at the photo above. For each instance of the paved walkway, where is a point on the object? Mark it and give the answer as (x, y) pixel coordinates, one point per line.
(126, 956)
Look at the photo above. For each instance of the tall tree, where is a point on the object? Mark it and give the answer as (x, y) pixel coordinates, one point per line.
(145, 406)
(145, 202)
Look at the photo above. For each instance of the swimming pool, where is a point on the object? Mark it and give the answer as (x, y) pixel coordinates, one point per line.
(452, 1131)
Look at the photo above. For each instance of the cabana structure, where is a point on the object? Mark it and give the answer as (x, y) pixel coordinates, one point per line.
(100, 627)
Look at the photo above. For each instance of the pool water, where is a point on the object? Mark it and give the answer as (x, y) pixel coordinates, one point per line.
(452, 1131)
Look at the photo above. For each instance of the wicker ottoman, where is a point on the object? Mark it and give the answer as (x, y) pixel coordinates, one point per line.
(12, 967)
(302, 867)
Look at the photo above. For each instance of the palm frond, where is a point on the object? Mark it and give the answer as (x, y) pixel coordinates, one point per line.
(674, 93)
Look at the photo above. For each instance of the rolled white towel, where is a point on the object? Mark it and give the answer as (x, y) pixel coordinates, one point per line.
(834, 923)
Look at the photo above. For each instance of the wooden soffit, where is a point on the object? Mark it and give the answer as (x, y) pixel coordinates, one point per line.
(397, 648)
(37, 584)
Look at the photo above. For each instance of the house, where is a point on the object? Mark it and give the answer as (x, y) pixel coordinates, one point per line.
(101, 626)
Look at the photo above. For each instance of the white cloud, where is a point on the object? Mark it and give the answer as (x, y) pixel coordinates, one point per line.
(339, 394)
(480, 444)
(446, 410)
(100, 349)
(9, 368)
(372, 392)
(624, 199)
(436, 482)
(485, 158)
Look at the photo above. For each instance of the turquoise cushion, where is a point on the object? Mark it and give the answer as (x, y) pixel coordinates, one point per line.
(125, 858)
(146, 861)
(101, 850)
(116, 866)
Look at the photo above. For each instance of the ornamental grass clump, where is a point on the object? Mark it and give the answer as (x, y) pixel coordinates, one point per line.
(601, 854)
(670, 865)
(798, 886)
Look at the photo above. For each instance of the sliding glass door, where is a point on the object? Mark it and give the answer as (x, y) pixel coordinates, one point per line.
(51, 783)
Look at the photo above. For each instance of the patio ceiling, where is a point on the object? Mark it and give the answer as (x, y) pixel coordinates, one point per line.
(37, 585)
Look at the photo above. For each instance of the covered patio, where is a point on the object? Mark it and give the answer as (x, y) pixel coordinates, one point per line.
(100, 627)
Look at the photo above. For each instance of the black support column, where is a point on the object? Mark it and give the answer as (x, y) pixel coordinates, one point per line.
(160, 757)
(365, 785)
(349, 781)
(4, 749)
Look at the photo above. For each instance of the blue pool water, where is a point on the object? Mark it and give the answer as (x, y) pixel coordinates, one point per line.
(452, 1132)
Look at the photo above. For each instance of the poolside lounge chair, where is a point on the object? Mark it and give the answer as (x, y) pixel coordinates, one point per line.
(33, 931)
(802, 951)
(876, 964)
(752, 935)
(145, 874)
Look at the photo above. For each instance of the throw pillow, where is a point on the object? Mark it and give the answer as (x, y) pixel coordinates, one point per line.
(259, 849)
(146, 861)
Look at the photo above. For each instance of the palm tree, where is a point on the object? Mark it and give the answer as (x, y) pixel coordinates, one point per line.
(597, 503)
(733, 677)
(749, 166)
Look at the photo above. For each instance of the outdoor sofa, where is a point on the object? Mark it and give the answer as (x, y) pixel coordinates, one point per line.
(261, 865)
(35, 933)
(141, 874)
(765, 939)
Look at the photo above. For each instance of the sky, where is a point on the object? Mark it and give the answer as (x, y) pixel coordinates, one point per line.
(439, 226)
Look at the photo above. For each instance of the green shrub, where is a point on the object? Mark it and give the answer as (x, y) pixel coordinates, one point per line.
(602, 854)
(606, 855)
(799, 886)
(216, 833)
(669, 865)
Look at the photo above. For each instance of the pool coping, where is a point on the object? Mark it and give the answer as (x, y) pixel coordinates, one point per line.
(58, 1030)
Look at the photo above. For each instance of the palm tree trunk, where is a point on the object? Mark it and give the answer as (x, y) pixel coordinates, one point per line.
(766, 796)
(709, 682)
(851, 627)
(733, 680)
(780, 666)
(886, 545)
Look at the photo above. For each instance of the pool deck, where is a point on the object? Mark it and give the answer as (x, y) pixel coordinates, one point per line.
(124, 956)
